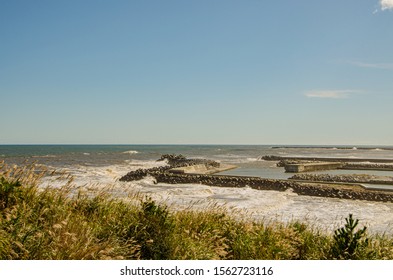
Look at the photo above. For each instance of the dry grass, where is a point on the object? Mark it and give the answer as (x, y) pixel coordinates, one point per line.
(63, 224)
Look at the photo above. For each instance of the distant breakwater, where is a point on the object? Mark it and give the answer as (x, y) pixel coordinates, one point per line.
(346, 163)
(347, 178)
(335, 159)
(162, 175)
(378, 148)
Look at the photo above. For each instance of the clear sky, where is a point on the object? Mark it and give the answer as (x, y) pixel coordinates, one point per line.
(196, 72)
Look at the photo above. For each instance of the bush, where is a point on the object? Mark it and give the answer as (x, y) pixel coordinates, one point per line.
(348, 243)
(154, 231)
(9, 193)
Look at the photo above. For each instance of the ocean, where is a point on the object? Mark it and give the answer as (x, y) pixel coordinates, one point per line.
(102, 165)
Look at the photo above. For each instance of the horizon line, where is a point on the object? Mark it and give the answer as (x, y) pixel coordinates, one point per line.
(190, 144)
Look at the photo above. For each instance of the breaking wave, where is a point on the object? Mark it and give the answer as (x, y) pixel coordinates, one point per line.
(131, 152)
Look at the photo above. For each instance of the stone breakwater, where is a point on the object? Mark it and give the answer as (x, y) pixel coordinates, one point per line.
(368, 166)
(162, 175)
(381, 166)
(181, 161)
(310, 189)
(348, 178)
(324, 159)
(174, 161)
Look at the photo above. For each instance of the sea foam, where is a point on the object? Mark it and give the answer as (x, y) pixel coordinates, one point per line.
(131, 152)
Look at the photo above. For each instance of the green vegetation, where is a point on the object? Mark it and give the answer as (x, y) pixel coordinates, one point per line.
(349, 244)
(63, 224)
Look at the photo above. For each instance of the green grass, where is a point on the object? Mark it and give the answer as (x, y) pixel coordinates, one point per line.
(61, 224)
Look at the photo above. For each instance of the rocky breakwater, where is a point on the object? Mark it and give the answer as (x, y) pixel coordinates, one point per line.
(379, 162)
(284, 162)
(310, 189)
(347, 178)
(224, 181)
(380, 166)
(368, 166)
(174, 161)
(181, 161)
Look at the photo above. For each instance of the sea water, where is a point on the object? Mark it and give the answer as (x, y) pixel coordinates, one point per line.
(103, 165)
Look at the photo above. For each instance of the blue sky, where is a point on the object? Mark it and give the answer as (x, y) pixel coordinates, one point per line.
(196, 72)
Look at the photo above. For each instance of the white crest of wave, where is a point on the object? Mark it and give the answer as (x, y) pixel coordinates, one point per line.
(45, 156)
(131, 152)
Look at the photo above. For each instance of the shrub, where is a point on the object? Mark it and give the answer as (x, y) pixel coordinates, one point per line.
(347, 242)
(9, 193)
(154, 231)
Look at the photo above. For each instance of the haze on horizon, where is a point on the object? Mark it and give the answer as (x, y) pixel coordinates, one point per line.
(196, 72)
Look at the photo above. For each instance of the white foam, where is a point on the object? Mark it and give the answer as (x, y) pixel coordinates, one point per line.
(231, 158)
(45, 156)
(104, 175)
(131, 152)
(325, 213)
